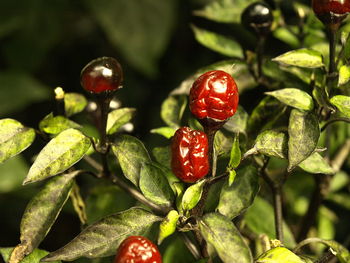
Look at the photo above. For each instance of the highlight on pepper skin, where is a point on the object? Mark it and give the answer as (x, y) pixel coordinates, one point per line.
(137, 249)
(189, 160)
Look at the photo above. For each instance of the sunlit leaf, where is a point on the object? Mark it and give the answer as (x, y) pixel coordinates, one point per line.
(270, 143)
(344, 75)
(131, 154)
(41, 213)
(167, 132)
(56, 124)
(74, 103)
(102, 238)
(304, 132)
(58, 155)
(342, 103)
(222, 234)
(305, 58)
(235, 156)
(293, 97)
(316, 164)
(118, 118)
(14, 138)
(279, 255)
(218, 43)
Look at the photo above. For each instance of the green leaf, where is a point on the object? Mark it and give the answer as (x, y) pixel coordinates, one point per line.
(102, 238)
(118, 118)
(293, 97)
(222, 234)
(270, 143)
(162, 155)
(305, 58)
(14, 138)
(231, 177)
(168, 226)
(56, 124)
(235, 156)
(58, 155)
(279, 255)
(18, 90)
(304, 133)
(12, 174)
(344, 75)
(41, 213)
(131, 154)
(33, 257)
(192, 195)
(172, 110)
(150, 22)
(262, 209)
(154, 185)
(316, 164)
(240, 195)
(105, 199)
(238, 122)
(217, 43)
(74, 103)
(342, 103)
(167, 132)
(224, 11)
(266, 111)
(286, 36)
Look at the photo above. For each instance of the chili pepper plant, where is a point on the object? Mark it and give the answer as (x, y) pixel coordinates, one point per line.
(253, 157)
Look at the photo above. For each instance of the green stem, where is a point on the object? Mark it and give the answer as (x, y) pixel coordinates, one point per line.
(260, 55)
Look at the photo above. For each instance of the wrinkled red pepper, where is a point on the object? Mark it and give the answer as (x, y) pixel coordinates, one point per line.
(214, 95)
(189, 150)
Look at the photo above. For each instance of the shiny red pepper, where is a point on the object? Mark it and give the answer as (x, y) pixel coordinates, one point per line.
(102, 75)
(331, 11)
(189, 149)
(137, 249)
(214, 95)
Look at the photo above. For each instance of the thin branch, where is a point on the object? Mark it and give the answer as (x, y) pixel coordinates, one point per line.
(341, 157)
(334, 120)
(191, 246)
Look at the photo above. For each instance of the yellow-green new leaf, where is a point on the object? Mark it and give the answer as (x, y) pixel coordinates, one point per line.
(168, 226)
(14, 138)
(344, 75)
(235, 156)
(192, 195)
(56, 124)
(342, 103)
(118, 118)
(293, 97)
(279, 255)
(74, 103)
(305, 58)
(58, 155)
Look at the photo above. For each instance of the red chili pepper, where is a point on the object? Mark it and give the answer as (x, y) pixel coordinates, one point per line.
(137, 249)
(331, 11)
(189, 150)
(102, 75)
(214, 95)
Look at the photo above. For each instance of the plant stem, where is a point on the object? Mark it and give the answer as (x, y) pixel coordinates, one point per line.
(334, 120)
(259, 54)
(104, 108)
(191, 246)
(276, 188)
(332, 47)
(129, 189)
